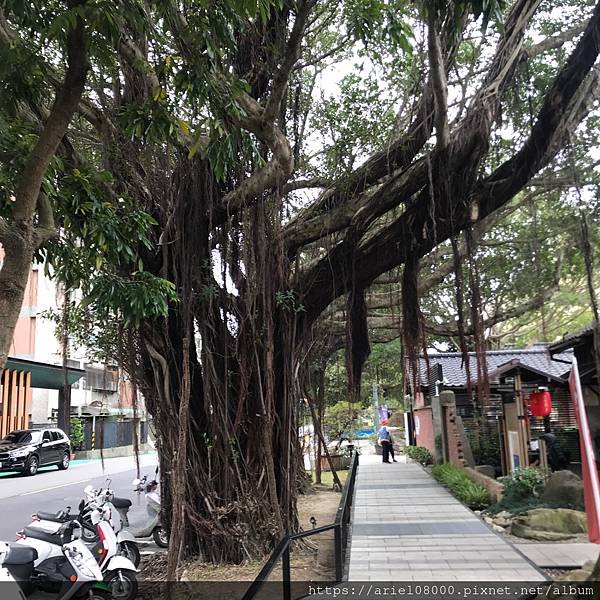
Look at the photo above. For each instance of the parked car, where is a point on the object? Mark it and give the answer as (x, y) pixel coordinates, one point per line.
(27, 450)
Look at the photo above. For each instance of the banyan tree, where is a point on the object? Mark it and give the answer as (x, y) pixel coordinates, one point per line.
(194, 201)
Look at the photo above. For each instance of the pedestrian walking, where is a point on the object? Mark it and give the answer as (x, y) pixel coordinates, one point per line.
(386, 442)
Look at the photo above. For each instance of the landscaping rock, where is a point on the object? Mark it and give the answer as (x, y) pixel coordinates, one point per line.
(582, 574)
(486, 470)
(502, 521)
(549, 524)
(504, 514)
(528, 533)
(564, 488)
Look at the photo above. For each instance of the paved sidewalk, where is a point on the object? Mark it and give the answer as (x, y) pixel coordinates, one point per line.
(565, 555)
(407, 527)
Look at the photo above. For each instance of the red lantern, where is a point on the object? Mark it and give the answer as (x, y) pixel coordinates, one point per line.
(540, 403)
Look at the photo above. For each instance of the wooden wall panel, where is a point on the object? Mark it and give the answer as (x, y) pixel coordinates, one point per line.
(15, 392)
(12, 400)
(5, 388)
(20, 401)
(27, 400)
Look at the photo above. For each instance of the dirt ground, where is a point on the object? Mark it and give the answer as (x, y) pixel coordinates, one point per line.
(310, 561)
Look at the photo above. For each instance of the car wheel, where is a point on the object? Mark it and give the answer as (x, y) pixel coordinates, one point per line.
(31, 466)
(161, 537)
(122, 583)
(63, 465)
(131, 551)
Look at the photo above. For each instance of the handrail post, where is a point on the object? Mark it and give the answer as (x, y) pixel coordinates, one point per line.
(339, 553)
(285, 567)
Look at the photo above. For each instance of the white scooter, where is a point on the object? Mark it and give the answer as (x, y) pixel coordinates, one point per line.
(94, 500)
(64, 566)
(153, 526)
(11, 561)
(117, 572)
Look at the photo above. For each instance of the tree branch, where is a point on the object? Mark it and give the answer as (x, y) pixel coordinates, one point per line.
(46, 228)
(411, 232)
(292, 53)
(300, 184)
(62, 111)
(135, 58)
(274, 174)
(439, 82)
(553, 42)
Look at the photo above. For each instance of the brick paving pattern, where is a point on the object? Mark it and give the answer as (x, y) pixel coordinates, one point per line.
(407, 527)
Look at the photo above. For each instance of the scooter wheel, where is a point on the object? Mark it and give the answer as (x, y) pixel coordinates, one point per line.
(122, 583)
(131, 551)
(88, 534)
(98, 595)
(161, 537)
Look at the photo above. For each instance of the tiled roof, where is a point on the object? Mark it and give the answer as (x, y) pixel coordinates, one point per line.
(537, 359)
(572, 339)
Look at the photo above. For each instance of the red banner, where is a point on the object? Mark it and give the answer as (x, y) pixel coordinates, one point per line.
(591, 483)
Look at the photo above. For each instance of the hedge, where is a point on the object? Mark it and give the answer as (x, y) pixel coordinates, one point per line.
(458, 482)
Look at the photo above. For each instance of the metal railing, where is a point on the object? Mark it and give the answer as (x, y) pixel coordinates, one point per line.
(340, 528)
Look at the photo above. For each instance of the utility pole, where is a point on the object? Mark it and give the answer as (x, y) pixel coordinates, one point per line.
(375, 407)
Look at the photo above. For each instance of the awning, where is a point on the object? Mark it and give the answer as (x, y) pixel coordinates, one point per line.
(44, 375)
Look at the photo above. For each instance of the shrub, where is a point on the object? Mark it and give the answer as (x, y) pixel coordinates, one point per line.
(76, 433)
(458, 482)
(485, 444)
(521, 489)
(419, 453)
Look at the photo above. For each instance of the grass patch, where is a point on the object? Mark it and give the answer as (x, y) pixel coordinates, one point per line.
(327, 477)
(461, 486)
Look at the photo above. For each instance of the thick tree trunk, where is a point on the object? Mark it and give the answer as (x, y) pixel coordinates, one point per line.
(241, 457)
(19, 248)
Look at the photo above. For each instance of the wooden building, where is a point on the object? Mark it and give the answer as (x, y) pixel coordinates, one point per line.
(16, 382)
(513, 375)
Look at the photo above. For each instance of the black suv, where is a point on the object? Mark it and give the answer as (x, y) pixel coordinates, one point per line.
(29, 449)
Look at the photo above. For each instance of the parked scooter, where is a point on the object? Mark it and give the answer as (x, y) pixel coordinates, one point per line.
(118, 572)
(153, 526)
(10, 561)
(58, 563)
(95, 500)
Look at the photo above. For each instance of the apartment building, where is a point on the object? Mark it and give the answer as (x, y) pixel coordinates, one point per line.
(96, 389)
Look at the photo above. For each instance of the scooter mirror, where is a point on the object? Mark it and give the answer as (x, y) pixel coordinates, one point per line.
(81, 505)
(136, 482)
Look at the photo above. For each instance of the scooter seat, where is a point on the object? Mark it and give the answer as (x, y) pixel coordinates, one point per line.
(20, 555)
(57, 517)
(121, 502)
(62, 536)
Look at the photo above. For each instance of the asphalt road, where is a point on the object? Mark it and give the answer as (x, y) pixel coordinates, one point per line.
(52, 490)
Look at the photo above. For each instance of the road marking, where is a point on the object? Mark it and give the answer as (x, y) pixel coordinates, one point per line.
(55, 487)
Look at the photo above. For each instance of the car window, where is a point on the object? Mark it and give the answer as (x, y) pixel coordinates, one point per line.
(56, 436)
(22, 437)
(46, 437)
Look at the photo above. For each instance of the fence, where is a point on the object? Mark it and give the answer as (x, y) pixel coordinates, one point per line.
(282, 551)
(111, 433)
